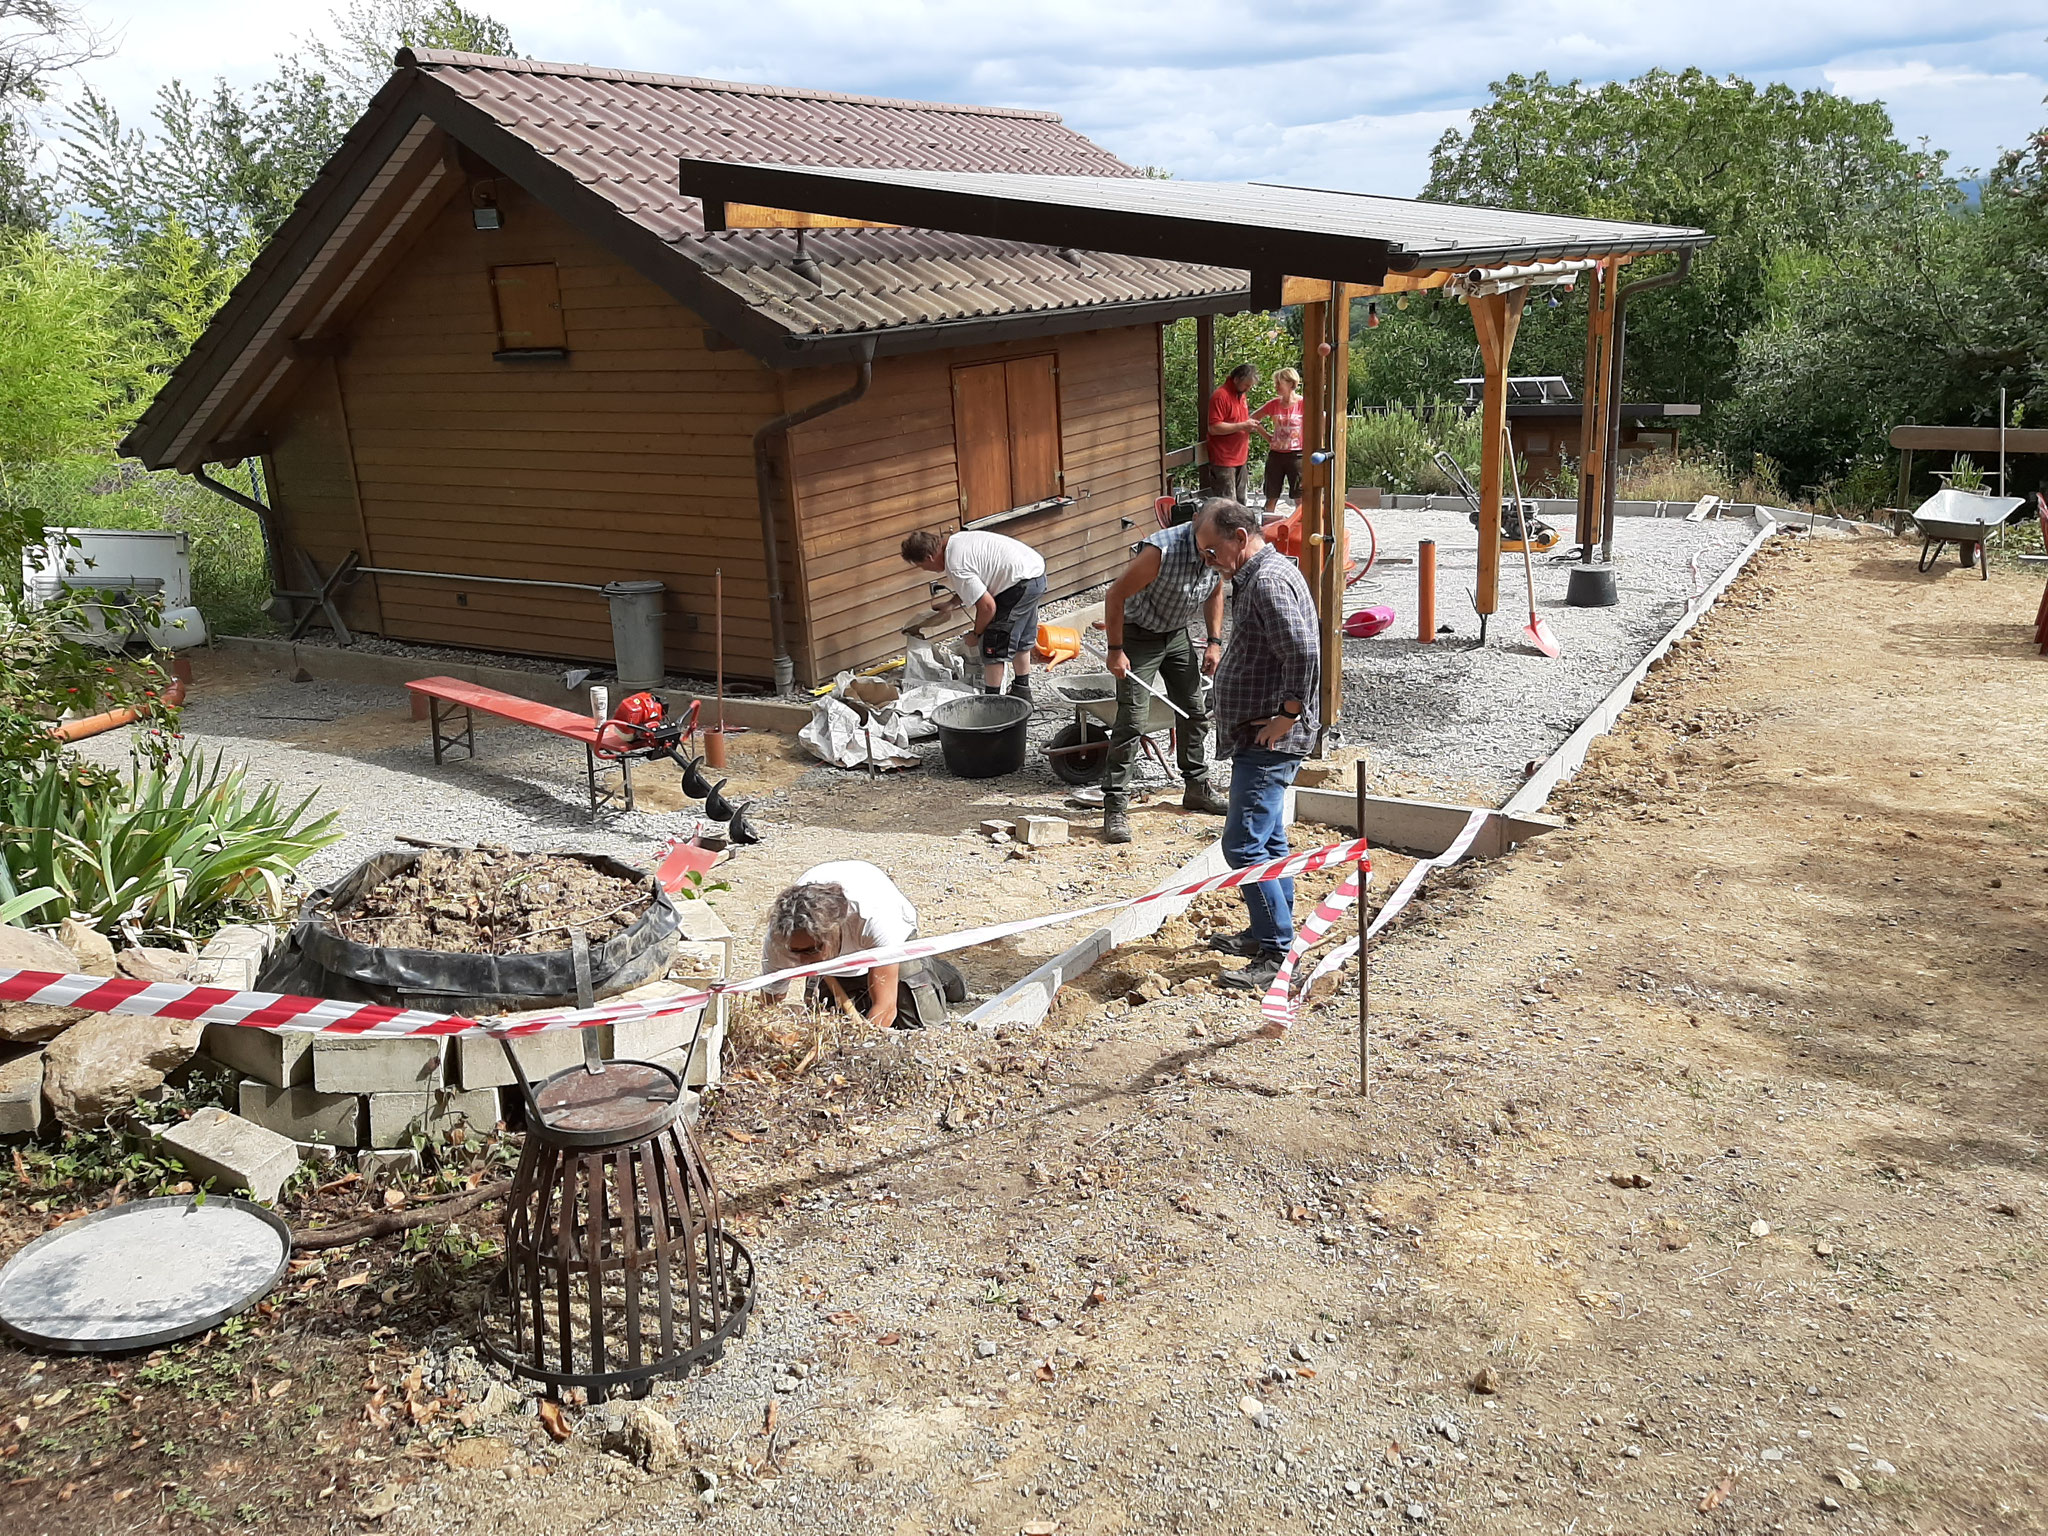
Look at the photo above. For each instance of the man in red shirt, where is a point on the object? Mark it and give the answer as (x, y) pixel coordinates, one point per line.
(1228, 426)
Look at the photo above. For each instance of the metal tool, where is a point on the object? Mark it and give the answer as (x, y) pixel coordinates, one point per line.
(1152, 688)
(1537, 632)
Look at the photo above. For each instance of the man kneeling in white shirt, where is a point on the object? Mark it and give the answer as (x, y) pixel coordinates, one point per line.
(843, 908)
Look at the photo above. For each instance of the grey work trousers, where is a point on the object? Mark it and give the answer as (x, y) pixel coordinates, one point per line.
(1171, 660)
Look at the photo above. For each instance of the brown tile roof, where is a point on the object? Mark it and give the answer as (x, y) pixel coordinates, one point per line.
(621, 133)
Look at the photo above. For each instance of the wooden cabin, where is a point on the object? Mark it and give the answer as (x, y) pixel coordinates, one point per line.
(494, 348)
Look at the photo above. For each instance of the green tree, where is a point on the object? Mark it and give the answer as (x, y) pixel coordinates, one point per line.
(357, 56)
(1761, 168)
(39, 40)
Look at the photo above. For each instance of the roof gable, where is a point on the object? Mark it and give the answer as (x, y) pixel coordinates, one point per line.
(602, 147)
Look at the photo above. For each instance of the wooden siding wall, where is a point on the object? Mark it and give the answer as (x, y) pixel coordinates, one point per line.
(881, 468)
(631, 458)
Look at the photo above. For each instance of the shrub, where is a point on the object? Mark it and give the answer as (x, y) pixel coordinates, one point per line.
(170, 852)
(1396, 448)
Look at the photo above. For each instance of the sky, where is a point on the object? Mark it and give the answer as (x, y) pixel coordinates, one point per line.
(1349, 94)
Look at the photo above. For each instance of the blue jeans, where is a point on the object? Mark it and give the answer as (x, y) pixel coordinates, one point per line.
(1256, 830)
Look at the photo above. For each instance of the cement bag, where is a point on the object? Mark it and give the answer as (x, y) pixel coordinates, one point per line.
(840, 736)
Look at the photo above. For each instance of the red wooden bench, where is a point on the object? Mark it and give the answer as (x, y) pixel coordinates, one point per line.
(448, 697)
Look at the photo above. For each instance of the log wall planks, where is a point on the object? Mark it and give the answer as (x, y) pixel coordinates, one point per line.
(633, 457)
(630, 458)
(886, 466)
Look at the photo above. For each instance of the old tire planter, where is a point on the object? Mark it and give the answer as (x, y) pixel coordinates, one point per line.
(319, 960)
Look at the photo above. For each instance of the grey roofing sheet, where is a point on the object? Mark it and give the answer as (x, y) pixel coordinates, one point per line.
(622, 135)
(1436, 235)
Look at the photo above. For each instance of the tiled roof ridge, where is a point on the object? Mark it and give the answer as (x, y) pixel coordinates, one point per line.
(449, 58)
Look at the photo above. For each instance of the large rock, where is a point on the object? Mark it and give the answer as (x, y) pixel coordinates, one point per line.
(92, 951)
(23, 949)
(108, 1060)
(145, 964)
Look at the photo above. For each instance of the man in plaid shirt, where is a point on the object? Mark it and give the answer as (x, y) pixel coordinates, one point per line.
(1266, 720)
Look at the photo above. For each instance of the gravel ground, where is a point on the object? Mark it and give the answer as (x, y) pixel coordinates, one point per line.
(1466, 720)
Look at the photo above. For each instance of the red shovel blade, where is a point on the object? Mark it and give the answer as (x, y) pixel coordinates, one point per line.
(1538, 634)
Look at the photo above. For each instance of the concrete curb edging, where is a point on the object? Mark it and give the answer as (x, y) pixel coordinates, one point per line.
(1025, 1003)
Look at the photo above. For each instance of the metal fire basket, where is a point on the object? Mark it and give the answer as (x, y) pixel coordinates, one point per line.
(618, 1268)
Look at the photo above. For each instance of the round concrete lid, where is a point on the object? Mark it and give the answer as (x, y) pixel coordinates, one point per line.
(144, 1273)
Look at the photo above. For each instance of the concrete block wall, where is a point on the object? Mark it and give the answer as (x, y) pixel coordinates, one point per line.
(380, 1093)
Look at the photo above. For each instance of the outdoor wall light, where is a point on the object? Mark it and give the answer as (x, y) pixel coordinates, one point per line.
(483, 205)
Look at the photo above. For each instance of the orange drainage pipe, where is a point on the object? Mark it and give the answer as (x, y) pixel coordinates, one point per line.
(112, 719)
(1425, 591)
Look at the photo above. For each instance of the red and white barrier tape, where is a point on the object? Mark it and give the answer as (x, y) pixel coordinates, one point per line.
(282, 1011)
(1403, 893)
(1275, 1005)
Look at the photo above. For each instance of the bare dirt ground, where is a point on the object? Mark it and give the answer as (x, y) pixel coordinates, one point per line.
(1706, 1135)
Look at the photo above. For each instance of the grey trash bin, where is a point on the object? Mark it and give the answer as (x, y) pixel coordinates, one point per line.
(636, 633)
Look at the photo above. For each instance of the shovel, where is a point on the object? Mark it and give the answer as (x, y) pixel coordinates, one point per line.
(1538, 632)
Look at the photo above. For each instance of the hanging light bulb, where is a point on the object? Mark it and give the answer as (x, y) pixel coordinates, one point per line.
(1402, 302)
(1372, 314)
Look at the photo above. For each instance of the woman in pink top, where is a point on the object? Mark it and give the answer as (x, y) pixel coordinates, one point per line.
(1279, 420)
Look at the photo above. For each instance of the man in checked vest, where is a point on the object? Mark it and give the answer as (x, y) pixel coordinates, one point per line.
(1146, 617)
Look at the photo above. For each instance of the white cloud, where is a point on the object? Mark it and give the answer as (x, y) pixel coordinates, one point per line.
(1317, 91)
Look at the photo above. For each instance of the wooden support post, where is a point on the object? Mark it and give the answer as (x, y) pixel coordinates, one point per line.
(1205, 382)
(1495, 317)
(1905, 479)
(1315, 431)
(1600, 286)
(1330, 591)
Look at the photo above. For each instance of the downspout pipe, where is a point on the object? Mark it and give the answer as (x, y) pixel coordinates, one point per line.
(1622, 295)
(265, 520)
(764, 491)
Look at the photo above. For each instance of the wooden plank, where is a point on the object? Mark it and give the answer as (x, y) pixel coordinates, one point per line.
(981, 418)
(1593, 412)
(754, 216)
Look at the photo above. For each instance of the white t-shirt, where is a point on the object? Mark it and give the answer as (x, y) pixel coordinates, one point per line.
(978, 563)
(881, 914)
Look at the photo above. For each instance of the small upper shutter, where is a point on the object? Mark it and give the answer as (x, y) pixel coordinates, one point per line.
(529, 300)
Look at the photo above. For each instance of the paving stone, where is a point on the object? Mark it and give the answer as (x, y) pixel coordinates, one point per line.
(282, 1058)
(304, 1114)
(21, 1090)
(372, 1161)
(234, 1153)
(1043, 831)
(395, 1118)
(478, 1061)
(360, 1064)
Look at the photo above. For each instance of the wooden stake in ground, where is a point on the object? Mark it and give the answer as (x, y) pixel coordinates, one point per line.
(1364, 977)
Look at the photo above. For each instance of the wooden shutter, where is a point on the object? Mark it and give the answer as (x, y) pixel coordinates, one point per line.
(1006, 432)
(1034, 393)
(529, 300)
(981, 437)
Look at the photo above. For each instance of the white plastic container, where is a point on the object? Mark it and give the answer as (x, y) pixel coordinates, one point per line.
(117, 561)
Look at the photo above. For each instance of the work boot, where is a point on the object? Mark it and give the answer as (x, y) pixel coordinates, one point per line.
(1020, 688)
(1201, 796)
(1255, 977)
(1242, 944)
(1116, 823)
